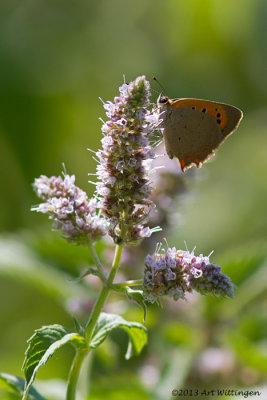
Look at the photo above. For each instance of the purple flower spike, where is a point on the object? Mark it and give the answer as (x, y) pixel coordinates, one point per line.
(176, 272)
(124, 185)
(70, 209)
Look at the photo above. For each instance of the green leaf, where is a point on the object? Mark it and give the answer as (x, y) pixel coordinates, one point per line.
(137, 297)
(16, 384)
(42, 345)
(108, 322)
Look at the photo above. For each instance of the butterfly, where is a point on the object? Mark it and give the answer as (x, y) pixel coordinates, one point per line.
(193, 129)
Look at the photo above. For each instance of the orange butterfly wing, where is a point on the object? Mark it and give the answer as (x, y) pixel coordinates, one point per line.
(227, 117)
(194, 137)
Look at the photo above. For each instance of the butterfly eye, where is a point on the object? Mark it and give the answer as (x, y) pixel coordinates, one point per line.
(163, 99)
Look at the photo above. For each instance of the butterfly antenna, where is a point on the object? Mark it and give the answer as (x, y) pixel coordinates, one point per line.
(158, 82)
(154, 91)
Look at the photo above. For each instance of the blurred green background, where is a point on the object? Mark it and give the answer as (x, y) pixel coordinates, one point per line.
(56, 59)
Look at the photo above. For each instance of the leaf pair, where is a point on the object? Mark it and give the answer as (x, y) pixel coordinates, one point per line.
(46, 340)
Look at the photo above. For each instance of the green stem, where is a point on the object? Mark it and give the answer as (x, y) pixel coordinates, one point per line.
(80, 355)
(100, 268)
(137, 282)
(74, 374)
(103, 295)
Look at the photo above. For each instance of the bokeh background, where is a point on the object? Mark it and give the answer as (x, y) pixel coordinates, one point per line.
(56, 59)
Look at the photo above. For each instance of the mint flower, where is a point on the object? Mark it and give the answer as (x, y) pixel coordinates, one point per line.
(124, 185)
(175, 272)
(69, 208)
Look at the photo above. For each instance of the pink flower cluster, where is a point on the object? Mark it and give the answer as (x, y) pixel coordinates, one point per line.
(125, 159)
(175, 272)
(70, 209)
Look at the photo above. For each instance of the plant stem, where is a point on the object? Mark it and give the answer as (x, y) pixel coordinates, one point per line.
(103, 295)
(137, 282)
(100, 268)
(74, 374)
(80, 355)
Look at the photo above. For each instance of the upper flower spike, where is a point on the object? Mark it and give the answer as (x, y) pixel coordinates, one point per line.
(125, 160)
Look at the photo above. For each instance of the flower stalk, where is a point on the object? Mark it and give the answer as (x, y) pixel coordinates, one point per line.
(81, 353)
(136, 282)
(75, 373)
(103, 296)
(101, 271)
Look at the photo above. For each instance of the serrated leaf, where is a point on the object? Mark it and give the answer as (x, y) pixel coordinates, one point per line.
(42, 345)
(137, 297)
(108, 322)
(16, 384)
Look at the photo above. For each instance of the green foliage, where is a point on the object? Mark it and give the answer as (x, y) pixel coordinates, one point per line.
(108, 322)
(138, 298)
(16, 385)
(42, 345)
